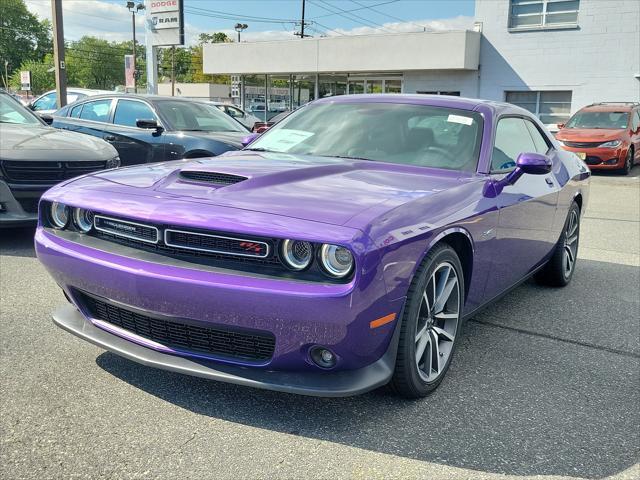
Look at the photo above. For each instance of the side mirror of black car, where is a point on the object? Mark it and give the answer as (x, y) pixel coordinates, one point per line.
(46, 118)
(150, 124)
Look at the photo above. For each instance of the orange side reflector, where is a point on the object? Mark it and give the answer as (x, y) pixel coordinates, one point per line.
(383, 320)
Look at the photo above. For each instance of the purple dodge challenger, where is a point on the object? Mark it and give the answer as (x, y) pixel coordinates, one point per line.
(341, 251)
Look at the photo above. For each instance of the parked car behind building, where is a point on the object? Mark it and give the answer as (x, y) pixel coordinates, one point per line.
(605, 135)
(34, 157)
(152, 128)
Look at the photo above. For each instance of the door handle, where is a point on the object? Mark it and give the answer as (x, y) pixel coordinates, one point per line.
(549, 182)
(110, 138)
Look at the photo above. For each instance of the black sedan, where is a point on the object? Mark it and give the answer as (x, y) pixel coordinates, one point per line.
(34, 157)
(152, 128)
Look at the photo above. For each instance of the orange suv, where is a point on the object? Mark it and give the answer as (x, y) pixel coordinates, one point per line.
(605, 135)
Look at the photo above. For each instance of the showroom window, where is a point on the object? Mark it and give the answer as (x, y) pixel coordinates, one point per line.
(551, 107)
(537, 14)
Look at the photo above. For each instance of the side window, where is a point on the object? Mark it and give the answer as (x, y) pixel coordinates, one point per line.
(635, 121)
(234, 112)
(97, 111)
(512, 139)
(75, 111)
(129, 111)
(538, 139)
(48, 102)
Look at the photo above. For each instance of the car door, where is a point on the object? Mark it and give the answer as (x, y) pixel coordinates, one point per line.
(135, 145)
(88, 117)
(526, 209)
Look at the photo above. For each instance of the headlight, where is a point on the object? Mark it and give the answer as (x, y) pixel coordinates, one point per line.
(113, 163)
(611, 144)
(83, 219)
(297, 255)
(59, 215)
(336, 261)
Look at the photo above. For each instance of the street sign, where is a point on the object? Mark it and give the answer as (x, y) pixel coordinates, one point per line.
(165, 19)
(25, 80)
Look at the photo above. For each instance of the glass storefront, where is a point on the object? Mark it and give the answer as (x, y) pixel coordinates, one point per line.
(268, 95)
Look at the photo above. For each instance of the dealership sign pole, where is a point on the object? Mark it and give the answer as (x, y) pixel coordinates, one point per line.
(165, 28)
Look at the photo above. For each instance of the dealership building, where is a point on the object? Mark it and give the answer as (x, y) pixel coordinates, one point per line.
(549, 56)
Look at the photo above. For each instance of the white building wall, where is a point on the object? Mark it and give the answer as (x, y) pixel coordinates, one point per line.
(443, 80)
(598, 61)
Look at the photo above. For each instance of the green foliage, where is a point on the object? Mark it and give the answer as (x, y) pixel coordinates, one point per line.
(23, 37)
(41, 79)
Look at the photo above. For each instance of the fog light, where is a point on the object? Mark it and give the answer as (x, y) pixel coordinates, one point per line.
(611, 161)
(323, 357)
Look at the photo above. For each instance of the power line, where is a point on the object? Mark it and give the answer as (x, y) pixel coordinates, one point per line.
(387, 14)
(356, 9)
(349, 16)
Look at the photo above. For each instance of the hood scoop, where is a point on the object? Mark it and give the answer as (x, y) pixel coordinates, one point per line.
(214, 178)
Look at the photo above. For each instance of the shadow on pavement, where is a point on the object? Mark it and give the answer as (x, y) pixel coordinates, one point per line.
(17, 242)
(523, 396)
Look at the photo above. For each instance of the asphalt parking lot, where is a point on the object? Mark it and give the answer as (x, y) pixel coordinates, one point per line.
(545, 383)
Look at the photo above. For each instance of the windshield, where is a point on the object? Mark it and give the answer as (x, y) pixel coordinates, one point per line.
(387, 132)
(598, 120)
(12, 112)
(196, 117)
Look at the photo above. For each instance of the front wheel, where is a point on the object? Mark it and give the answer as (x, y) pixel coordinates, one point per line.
(559, 270)
(431, 324)
(628, 162)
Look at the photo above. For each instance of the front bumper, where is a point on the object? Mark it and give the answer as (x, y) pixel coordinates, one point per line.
(334, 384)
(19, 207)
(300, 315)
(601, 158)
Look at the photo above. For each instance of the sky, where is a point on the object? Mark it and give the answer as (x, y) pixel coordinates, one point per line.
(268, 19)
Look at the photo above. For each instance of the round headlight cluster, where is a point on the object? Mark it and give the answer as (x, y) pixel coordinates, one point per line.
(59, 215)
(83, 219)
(335, 261)
(297, 255)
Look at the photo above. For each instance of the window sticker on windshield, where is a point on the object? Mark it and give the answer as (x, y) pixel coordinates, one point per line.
(283, 139)
(460, 119)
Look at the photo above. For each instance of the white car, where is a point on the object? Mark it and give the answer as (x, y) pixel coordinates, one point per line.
(245, 118)
(47, 103)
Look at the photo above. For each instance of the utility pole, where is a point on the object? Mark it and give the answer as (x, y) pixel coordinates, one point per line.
(302, 24)
(58, 53)
(133, 8)
(173, 70)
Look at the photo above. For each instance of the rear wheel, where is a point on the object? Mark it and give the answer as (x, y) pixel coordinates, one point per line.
(431, 324)
(559, 270)
(628, 162)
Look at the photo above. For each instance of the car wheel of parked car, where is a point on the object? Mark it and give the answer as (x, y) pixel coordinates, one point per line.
(559, 270)
(431, 324)
(628, 162)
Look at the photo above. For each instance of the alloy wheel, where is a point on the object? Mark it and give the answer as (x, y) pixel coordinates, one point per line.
(437, 325)
(570, 244)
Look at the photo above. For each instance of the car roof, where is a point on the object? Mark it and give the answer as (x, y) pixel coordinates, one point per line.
(610, 107)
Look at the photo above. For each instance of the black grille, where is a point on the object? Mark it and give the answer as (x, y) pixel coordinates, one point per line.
(47, 173)
(215, 341)
(29, 205)
(215, 244)
(583, 144)
(590, 160)
(122, 228)
(212, 177)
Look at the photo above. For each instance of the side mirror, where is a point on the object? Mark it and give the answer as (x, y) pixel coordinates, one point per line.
(150, 124)
(560, 126)
(249, 138)
(46, 118)
(529, 163)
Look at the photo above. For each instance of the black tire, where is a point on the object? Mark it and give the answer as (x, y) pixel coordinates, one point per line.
(407, 380)
(628, 162)
(555, 272)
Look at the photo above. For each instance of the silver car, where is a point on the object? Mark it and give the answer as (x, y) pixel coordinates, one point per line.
(47, 103)
(245, 118)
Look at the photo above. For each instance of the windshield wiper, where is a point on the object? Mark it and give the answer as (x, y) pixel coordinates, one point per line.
(346, 157)
(257, 149)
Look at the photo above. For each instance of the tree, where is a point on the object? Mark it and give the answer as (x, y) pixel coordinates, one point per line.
(42, 79)
(23, 37)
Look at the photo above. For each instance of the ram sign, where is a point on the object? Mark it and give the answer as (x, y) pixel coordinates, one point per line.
(166, 22)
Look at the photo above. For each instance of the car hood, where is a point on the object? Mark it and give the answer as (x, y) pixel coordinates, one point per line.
(35, 142)
(321, 189)
(588, 134)
(230, 138)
